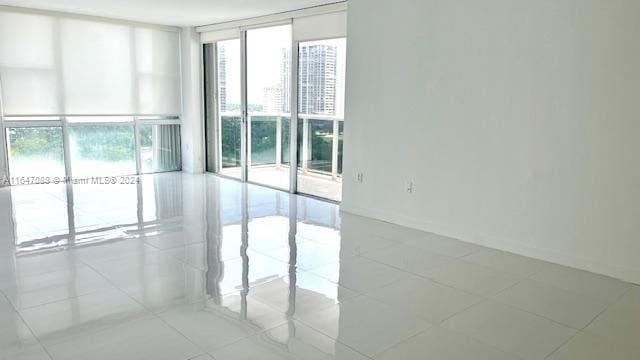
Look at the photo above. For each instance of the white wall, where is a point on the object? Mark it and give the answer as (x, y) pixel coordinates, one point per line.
(3, 156)
(517, 120)
(192, 120)
(3, 165)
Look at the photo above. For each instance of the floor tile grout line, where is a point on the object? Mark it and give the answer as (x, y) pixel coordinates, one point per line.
(562, 345)
(491, 293)
(521, 277)
(157, 316)
(46, 350)
(488, 249)
(148, 312)
(496, 293)
(481, 300)
(403, 340)
(480, 341)
(406, 340)
(125, 293)
(362, 295)
(413, 244)
(618, 299)
(534, 314)
(581, 331)
(3, 295)
(607, 305)
(466, 292)
(74, 297)
(627, 284)
(553, 286)
(337, 340)
(311, 271)
(538, 316)
(35, 336)
(294, 319)
(404, 270)
(219, 312)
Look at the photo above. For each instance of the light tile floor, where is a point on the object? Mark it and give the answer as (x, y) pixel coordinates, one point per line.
(181, 267)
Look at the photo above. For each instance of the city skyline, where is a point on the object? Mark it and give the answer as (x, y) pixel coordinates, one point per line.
(318, 82)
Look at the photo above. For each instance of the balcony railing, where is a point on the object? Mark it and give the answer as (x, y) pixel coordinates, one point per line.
(319, 142)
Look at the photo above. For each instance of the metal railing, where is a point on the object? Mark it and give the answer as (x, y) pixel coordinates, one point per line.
(306, 149)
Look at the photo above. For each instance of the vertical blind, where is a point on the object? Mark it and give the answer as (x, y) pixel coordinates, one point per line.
(54, 65)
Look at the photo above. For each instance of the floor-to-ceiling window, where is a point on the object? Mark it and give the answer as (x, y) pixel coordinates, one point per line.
(254, 81)
(268, 104)
(87, 98)
(224, 116)
(321, 79)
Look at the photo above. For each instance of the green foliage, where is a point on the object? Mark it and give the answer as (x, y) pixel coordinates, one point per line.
(39, 141)
(321, 133)
(104, 142)
(231, 141)
(263, 140)
(146, 136)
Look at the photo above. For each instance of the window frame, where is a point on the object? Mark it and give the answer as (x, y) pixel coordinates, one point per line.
(28, 121)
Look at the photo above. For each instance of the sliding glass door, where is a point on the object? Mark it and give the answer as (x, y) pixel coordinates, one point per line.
(321, 79)
(269, 105)
(249, 82)
(223, 107)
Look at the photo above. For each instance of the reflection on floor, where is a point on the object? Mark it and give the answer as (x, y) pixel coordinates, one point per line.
(315, 184)
(197, 267)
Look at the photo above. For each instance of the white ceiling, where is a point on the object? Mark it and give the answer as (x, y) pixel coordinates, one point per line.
(171, 12)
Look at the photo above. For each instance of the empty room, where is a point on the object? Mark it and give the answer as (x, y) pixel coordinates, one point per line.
(319, 179)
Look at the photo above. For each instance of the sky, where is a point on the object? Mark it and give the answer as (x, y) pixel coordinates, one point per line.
(264, 59)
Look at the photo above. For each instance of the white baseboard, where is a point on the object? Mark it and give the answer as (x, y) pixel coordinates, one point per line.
(592, 265)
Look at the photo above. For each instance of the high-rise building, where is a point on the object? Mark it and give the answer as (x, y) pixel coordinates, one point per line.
(285, 80)
(317, 79)
(273, 99)
(222, 78)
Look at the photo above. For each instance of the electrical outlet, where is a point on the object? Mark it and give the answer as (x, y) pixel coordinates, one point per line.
(408, 187)
(360, 177)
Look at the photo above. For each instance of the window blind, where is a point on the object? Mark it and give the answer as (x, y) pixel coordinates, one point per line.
(54, 65)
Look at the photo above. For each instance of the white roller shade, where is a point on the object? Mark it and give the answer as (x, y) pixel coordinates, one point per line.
(214, 36)
(28, 65)
(96, 59)
(58, 65)
(325, 26)
(158, 75)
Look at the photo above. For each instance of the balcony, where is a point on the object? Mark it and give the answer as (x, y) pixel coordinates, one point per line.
(319, 151)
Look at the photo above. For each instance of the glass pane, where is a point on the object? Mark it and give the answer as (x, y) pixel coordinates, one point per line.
(102, 150)
(229, 110)
(35, 151)
(263, 140)
(320, 145)
(229, 75)
(231, 145)
(286, 141)
(210, 120)
(321, 79)
(268, 92)
(159, 148)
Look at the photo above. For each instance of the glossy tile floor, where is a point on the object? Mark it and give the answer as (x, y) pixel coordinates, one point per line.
(316, 184)
(195, 267)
